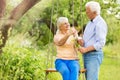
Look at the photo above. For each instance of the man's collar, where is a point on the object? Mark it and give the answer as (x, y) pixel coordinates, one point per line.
(93, 20)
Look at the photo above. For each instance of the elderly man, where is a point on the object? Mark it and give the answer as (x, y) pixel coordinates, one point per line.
(94, 39)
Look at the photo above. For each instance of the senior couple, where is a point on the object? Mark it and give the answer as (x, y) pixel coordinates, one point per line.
(92, 42)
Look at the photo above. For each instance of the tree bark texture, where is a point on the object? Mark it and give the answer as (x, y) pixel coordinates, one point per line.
(2, 7)
(15, 15)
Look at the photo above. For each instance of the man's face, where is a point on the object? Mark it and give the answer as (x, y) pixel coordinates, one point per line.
(89, 13)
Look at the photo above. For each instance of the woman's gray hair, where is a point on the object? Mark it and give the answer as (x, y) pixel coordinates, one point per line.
(94, 6)
(61, 20)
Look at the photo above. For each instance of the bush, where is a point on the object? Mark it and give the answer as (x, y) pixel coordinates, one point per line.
(21, 63)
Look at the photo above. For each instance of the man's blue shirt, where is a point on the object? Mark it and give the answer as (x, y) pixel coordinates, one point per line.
(95, 33)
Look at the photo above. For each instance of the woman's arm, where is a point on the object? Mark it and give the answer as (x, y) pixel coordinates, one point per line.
(62, 40)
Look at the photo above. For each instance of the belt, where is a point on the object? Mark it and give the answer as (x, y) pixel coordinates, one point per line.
(92, 51)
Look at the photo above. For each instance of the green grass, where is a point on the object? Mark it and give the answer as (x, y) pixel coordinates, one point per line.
(110, 69)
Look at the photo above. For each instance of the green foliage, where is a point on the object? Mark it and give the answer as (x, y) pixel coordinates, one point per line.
(108, 12)
(0, 36)
(112, 50)
(41, 35)
(21, 60)
(54, 76)
(21, 63)
(68, 9)
(113, 29)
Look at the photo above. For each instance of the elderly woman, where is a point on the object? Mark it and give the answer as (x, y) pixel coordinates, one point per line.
(67, 59)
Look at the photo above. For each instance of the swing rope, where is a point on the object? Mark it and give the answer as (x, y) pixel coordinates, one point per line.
(81, 17)
(73, 12)
(49, 55)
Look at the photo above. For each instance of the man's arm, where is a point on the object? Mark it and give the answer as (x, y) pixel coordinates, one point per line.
(87, 49)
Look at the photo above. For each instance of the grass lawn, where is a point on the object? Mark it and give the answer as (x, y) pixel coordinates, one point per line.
(110, 69)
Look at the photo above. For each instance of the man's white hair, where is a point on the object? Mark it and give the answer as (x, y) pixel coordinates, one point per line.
(61, 20)
(94, 6)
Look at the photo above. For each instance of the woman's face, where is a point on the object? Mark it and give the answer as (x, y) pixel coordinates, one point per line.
(65, 26)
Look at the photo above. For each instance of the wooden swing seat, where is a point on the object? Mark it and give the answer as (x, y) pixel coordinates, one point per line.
(54, 70)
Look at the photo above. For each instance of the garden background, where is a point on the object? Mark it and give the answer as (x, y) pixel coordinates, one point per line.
(27, 49)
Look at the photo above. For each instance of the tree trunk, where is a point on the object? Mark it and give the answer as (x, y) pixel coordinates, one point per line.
(2, 7)
(16, 14)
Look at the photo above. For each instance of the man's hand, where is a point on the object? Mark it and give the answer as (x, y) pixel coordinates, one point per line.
(86, 49)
